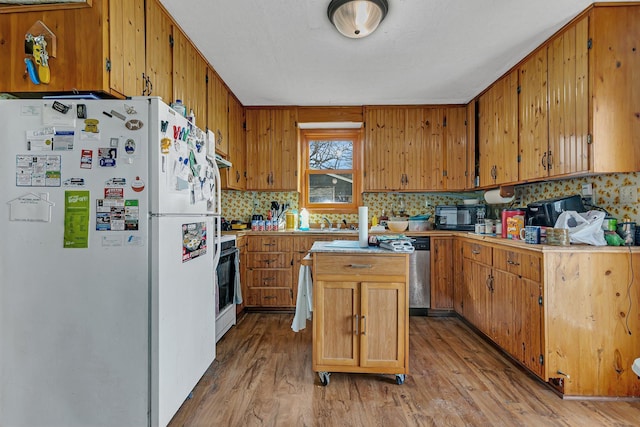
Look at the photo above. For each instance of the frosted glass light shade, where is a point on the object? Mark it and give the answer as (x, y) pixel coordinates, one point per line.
(357, 18)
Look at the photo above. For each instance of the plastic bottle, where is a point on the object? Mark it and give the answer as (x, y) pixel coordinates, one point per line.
(192, 117)
(304, 219)
(179, 107)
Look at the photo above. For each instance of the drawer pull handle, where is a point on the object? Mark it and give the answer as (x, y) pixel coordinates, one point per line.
(475, 252)
(364, 327)
(269, 244)
(512, 262)
(268, 261)
(360, 265)
(357, 324)
(269, 297)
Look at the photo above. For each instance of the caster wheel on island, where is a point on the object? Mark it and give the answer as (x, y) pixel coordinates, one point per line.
(324, 378)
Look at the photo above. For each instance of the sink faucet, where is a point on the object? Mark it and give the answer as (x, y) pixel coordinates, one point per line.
(324, 218)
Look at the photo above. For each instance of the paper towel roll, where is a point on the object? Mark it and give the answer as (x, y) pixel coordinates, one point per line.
(363, 226)
(493, 197)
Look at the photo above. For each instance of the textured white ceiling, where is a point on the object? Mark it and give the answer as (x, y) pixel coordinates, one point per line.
(286, 52)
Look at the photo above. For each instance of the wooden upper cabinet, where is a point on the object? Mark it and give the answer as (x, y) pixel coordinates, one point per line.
(127, 46)
(284, 150)
(418, 148)
(272, 149)
(87, 39)
(567, 76)
(189, 77)
(159, 60)
(430, 153)
(614, 64)
(455, 148)
(535, 157)
(498, 132)
(384, 147)
(235, 178)
(218, 112)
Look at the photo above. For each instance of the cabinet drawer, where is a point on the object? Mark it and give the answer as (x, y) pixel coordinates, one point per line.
(268, 260)
(477, 252)
(524, 264)
(268, 298)
(382, 265)
(268, 244)
(268, 278)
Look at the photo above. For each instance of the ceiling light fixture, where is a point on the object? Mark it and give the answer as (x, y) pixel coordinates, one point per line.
(357, 18)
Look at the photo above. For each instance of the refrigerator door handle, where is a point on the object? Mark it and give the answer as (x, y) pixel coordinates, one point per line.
(217, 208)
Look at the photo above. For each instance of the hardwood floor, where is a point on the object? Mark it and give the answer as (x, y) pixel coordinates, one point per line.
(262, 377)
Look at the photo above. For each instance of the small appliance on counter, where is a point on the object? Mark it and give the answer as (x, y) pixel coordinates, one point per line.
(545, 213)
(458, 217)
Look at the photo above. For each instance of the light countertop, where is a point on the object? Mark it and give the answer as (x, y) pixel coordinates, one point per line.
(349, 246)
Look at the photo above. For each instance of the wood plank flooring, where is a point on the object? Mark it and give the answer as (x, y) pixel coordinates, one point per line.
(262, 377)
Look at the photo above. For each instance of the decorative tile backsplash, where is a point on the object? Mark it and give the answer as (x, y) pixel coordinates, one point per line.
(238, 205)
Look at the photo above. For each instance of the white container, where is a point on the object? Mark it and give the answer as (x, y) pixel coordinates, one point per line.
(304, 219)
(418, 225)
(179, 108)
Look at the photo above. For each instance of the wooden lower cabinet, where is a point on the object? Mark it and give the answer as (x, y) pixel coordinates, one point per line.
(567, 314)
(361, 313)
(271, 267)
(442, 274)
(503, 299)
(592, 321)
(268, 280)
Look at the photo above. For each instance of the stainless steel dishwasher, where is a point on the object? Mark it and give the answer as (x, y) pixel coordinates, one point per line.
(420, 277)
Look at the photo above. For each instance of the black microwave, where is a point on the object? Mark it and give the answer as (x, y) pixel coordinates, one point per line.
(458, 217)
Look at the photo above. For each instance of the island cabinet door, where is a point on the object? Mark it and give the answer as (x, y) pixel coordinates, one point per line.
(383, 324)
(336, 312)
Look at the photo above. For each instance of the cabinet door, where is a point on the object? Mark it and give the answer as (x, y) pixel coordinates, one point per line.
(159, 62)
(127, 46)
(218, 112)
(503, 299)
(82, 49)
(433, 167)
(383, 324)
(455, 148)
(413, 153)
(284, 150)
(235, 178)
(336, 315)
(384, 148)
(568, 68)
(535, 158)
(190, 77)
(615, 60)
(528, 317)
(498, 132)
(458, 274)
(477, 282)
(442, 273)
(258, 149)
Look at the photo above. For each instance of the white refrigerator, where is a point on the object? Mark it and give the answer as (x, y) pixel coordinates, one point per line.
(107, 261)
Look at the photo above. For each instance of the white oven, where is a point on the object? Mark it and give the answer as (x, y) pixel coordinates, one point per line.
(226, 276)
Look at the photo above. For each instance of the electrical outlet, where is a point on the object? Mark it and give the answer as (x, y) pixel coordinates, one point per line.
(628, 195)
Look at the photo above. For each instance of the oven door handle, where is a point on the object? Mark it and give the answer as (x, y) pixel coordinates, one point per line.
(228, 252)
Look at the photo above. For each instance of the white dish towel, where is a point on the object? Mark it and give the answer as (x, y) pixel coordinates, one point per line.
(304, 302)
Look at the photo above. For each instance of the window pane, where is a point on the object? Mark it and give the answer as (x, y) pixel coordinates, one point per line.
(330, 155)
(331, 188)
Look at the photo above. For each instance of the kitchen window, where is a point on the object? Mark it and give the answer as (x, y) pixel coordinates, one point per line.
(331, 170)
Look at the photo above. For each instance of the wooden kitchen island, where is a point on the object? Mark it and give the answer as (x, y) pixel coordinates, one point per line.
(361, 310)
